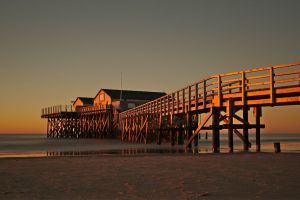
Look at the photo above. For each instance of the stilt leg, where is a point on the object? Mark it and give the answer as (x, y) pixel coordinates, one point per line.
(189, 128)
(245, 129)
(216, 130)
(230, 130)
(258, 115)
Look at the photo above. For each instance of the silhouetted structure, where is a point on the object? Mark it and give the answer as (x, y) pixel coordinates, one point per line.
(94, 117)
(210, 104)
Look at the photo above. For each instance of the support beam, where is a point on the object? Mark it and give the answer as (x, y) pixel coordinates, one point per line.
(195, 121)
(189, 129)
(171, 130)
(272, 90)
(230, 111)
(159, 135)
(246, 128)
(216, 130)
(48, 121)
(257, 119)
(197, 131)
(179, 136)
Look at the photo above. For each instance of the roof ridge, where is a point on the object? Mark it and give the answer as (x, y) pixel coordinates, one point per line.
(133, 90)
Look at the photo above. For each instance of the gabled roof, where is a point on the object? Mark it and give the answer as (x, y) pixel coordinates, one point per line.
(133, 95)
(86, 100)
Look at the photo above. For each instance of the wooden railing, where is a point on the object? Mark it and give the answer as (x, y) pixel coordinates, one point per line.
(57, 109)
(94, 108)
(69, 108)
(216, 89)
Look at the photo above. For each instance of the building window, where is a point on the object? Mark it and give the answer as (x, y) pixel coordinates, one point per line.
(102, 97)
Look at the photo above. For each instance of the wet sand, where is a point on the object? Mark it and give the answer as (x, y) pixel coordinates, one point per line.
(155, 176)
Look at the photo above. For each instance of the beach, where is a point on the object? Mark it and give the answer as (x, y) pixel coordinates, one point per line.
(153, 176)
(34, 167)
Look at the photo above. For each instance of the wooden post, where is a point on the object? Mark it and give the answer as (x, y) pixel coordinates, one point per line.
(189, 99)
(177, 136)
(183, 101)
(177, 93)
(243, 89)
(272, 90)
(159, 130)
(196, 97)
(230, 111)
(216, 129)
(195, 121)
(204, 94)
(220, 91)
(147, 130)
(171, 130)
(173, 106)
(277, 147)
(257, 117)
(189, 128)
(48, 127)
(246, 128)
(180, 133)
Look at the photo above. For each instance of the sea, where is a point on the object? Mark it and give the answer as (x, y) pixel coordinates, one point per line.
(38, 145)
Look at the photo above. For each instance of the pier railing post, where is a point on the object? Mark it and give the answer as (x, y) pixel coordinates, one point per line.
(272, 90)
(204, 94)
(243, 87)
(220, 98)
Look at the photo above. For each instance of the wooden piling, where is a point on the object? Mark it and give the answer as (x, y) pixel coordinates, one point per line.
(195, 123)
(246, 128)
(171, 130)
(216, 129)
(189, 128)
(277, 148)
(230, 111)
(48, 124)
(257, 119)
(159, 135)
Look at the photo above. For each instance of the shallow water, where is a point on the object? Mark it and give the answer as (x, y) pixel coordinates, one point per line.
(37, 145)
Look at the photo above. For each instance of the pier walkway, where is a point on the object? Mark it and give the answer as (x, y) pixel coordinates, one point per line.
(213, 104)
(219, 102)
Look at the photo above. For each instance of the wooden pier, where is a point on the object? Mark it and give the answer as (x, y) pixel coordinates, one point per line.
(219, 102)
(86, 122)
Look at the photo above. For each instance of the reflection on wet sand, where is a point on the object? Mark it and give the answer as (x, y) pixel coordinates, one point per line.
(131, 151)
(123, 152)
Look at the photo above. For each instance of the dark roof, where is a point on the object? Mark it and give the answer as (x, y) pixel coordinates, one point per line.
(134, 95)
(86, 100)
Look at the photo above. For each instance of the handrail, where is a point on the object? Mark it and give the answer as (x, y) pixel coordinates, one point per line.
(57, 109)
(217, 86)
(94, 108)
(69, 108)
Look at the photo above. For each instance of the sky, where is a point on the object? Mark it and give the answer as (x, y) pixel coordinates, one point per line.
(53, 51)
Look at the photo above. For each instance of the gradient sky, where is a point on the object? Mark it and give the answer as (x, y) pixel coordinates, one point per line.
(53, 51)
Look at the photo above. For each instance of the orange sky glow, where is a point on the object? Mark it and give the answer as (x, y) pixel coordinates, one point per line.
(53, 51)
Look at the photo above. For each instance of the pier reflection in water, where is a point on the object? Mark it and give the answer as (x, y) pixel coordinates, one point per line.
(131, 151)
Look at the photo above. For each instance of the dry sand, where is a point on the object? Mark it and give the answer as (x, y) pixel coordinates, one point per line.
(175, 176)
